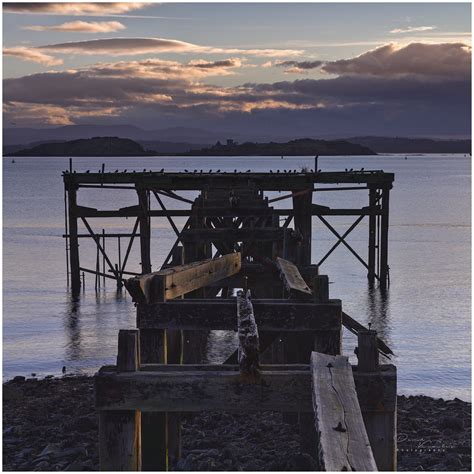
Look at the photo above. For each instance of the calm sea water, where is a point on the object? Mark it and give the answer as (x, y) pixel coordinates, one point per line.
(425, 317)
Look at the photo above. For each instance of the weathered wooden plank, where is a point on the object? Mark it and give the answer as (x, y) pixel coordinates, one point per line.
(292, 279)
(343, 444)
(249, 345)
(203, 391)
(271, 315)
(219, 388)
(176, 281)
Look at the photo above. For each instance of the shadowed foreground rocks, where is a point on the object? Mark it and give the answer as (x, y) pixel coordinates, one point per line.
(51, 425)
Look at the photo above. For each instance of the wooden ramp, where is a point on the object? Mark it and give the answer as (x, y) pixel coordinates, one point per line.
(343, 444)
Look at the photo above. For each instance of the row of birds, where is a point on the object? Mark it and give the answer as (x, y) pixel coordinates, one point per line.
(219, 171)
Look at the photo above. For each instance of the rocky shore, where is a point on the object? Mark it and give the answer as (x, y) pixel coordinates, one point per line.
(51, 425)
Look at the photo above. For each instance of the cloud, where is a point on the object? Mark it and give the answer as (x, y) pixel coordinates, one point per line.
(138, 46)
(366, 97)
(296, 67)
(32, 54)
(80, 26)
(443, 59)
(202, 64)
(412, 29)
(113, 8)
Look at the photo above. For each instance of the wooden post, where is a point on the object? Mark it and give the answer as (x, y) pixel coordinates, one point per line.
(379, 419)
(303, 222)
(384, 239)
(321, 288)
(73, 240)
(372, 235)
(249, 346)
(119, 431)
(367, 351)
(153, 425)
(144, 231)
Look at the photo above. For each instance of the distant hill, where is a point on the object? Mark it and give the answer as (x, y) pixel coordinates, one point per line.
(412, 145)
(97, 146)
(300, 147)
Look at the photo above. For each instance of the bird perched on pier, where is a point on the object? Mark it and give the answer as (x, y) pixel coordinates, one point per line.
(235, 171)
(144, 170)
(194, 171)
(271, 171)
(124, 171)
(64, 369)
(210, 171)
(186, 171)
(88, 171)
(362, 169)
(248, 171)
(278, 171)
(162, 170)
(218, 171)
(116, 171)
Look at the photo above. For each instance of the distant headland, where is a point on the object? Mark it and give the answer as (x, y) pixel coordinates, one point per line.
(97, 146)
(114, 146)
(300, 147)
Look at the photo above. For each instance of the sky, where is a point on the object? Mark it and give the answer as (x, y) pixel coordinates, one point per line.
(314, 69)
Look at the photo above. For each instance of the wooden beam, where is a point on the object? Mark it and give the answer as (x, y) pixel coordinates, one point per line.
(271, 315)
(197, 181)
(208, 387)
(343, 444)
(292, 279)
(173, 282)
(193, 391)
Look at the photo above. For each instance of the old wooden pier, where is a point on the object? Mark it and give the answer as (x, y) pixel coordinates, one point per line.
(239, 264)
(231, 210)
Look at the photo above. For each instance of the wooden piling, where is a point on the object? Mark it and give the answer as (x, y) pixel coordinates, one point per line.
(372, 236)
(73, 240)
(144, 219)
(384, 238)
(367, 351)
(119, 431)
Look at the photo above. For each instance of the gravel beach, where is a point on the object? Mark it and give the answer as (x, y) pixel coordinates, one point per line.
(51, 425)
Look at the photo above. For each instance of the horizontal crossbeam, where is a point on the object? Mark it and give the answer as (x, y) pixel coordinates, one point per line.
(220, 314)
(175, 388)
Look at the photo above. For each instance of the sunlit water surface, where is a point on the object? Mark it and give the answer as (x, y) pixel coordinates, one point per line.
(425, 316)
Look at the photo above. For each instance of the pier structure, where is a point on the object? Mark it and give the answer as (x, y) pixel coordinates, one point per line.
(240, 264)
(230, 213)
(288, 358)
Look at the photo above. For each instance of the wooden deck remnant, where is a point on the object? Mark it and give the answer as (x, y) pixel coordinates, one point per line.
(343, 444)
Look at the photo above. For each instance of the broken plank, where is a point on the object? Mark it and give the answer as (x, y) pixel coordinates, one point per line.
(343, 444)
(173, 282)
(249, 345)
(292, 279)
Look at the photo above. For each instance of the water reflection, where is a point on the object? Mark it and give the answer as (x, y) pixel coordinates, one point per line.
(72, 324)
(379, 312)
